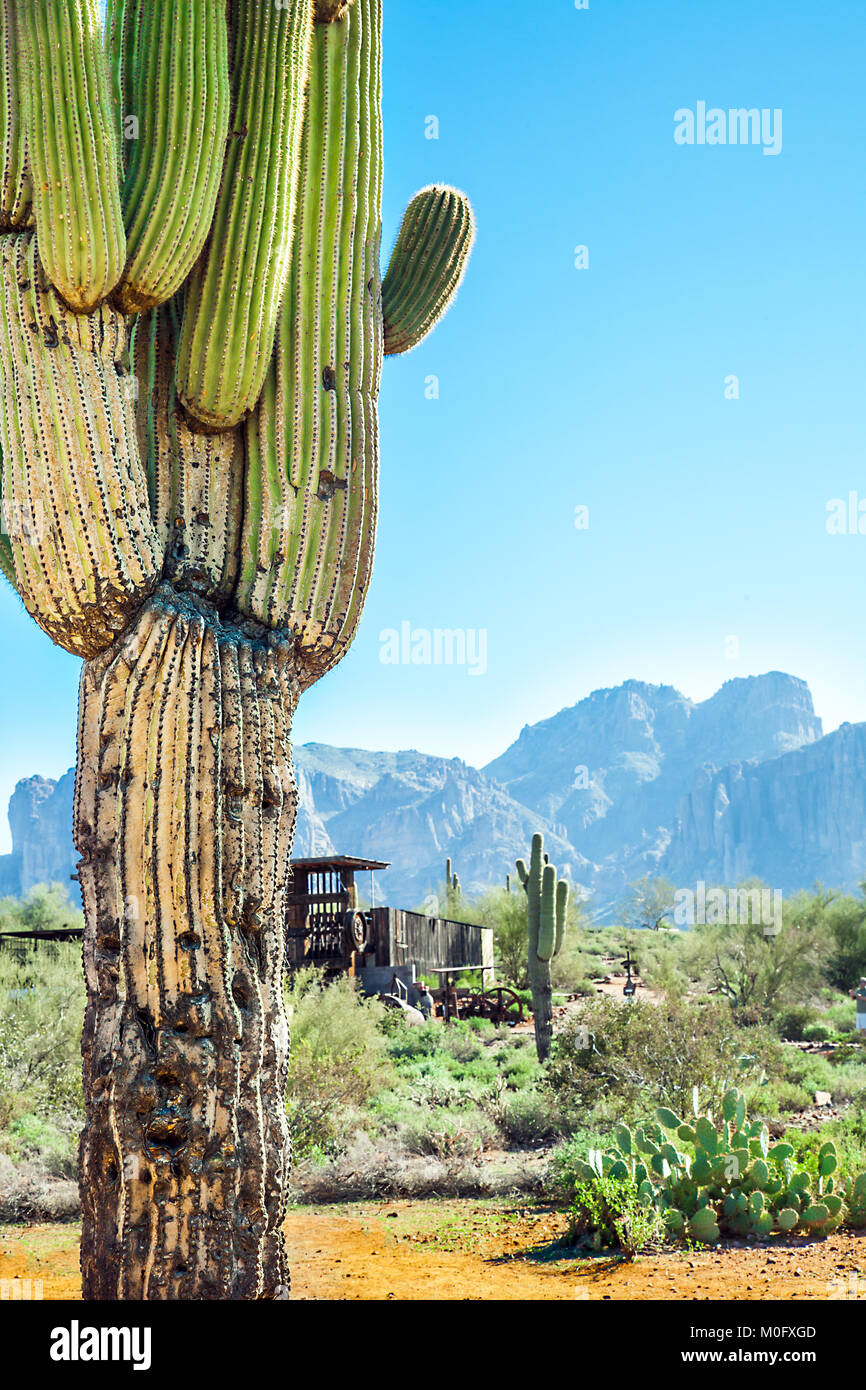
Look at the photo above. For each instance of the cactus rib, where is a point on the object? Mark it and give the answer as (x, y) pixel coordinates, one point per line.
(17, 194)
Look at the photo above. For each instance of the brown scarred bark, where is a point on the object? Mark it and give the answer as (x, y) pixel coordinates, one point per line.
(184, 811)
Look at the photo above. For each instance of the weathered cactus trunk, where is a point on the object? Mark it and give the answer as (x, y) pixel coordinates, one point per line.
(542, 1005)
(184, 811)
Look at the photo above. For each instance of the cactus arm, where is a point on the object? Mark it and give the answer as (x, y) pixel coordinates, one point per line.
(312, 443)
(16, 194)
(427, 265)
(234, 295)
(561, 913)
(547, 914)
(72, 147)
(86, 553)
(181, 100)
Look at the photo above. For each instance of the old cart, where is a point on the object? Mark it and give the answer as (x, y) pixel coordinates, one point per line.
(498, 1003)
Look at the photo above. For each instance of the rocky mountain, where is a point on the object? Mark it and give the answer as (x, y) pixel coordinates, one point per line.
(40, 818)
(415, 810)
(613, 770)
(794, 821)
(632, 780)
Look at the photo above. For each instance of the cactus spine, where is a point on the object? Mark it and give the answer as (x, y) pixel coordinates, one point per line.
(207, 568)
(547, 910)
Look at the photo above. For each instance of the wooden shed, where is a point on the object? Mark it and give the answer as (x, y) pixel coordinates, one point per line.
(326, 927)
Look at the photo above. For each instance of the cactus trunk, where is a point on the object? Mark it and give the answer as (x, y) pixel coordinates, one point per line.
(184, 811)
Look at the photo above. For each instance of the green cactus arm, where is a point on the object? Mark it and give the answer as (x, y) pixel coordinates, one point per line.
(234, 294)
(180, 98)
(312, 442)
(427, 265)
(72, 148)
(547, 918)
(16, 194)
(522, 871)
(561, 914)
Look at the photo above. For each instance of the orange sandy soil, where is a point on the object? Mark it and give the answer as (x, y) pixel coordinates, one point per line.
(471, 1250)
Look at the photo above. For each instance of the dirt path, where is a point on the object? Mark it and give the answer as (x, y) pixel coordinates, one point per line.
(470, 1250)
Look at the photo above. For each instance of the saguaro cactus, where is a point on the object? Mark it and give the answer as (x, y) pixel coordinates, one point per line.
(191, 339)
(547, 905)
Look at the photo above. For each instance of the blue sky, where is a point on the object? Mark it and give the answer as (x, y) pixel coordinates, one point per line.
(707, 554)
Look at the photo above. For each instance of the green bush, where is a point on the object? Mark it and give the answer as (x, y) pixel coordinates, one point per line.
(339, 1060)
(607, 1211)
(647, 1053)
(526, 1117)
(41, 1014)
(791, 1022)
(817, 1032)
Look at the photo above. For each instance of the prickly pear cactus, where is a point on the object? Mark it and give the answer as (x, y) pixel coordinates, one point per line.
(724, 1177)
(547, 910)
(191, 339)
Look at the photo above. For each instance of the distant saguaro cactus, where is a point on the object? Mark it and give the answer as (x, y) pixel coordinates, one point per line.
(191, 341)
(547, 905)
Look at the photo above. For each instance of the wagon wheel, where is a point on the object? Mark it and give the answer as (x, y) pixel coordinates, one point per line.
(355, 931)
(498, 1001)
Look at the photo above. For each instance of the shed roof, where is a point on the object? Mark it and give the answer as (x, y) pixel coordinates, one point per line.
(339, 861)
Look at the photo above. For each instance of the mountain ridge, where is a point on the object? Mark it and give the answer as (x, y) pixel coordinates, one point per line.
(632, 779)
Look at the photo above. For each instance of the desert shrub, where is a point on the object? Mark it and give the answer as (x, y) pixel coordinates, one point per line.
(448, 1134)
(526, 1117)
(789, 1023)
(646, 1054)
(606, 1211)
(817, 1032)
(27, 1194)
(339, 1059)
(50, 1147)
(41, 1013)
(841, 1016)
(777, 1098)
(518, 1064)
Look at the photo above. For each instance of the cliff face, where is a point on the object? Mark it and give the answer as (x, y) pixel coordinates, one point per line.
(633, 780)
(40, 818)
(415, 810)
(613, 769)
(793, 821)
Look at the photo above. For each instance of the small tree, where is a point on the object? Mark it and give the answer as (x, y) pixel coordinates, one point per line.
(650, 903)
